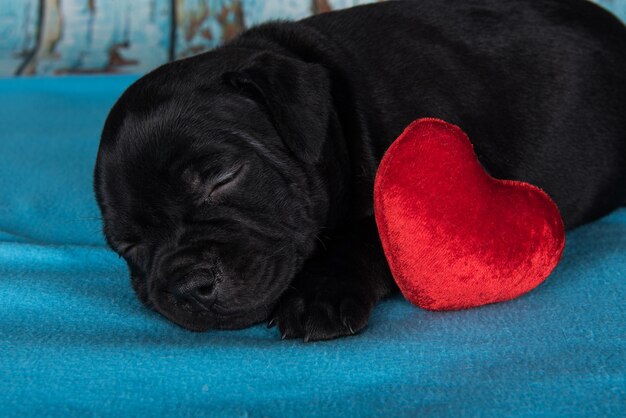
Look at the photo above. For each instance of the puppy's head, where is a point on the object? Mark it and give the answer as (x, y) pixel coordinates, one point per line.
(205, 179)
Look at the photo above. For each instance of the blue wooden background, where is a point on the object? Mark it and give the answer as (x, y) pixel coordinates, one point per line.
(50, 37)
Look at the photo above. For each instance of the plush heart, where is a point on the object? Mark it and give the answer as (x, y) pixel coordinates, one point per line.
(454, 236)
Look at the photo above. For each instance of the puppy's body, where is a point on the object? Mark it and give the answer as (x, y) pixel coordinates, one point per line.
(539, 86)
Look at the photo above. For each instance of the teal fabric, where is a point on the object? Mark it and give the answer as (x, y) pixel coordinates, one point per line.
(74, 341)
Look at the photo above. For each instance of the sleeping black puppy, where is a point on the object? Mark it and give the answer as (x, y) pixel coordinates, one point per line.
(237, 184)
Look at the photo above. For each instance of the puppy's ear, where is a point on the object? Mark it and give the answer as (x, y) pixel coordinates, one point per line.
(297, 96)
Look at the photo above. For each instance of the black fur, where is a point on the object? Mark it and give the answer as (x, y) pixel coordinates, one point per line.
(237, 184)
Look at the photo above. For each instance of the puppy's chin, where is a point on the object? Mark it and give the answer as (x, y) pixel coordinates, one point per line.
(205, 320)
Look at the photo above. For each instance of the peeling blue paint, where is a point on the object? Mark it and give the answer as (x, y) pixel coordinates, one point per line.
(49, 37)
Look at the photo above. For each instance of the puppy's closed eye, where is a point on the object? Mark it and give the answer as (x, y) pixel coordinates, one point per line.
(223, 181)
(213, 183)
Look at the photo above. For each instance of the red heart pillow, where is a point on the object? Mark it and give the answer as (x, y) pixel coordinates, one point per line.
(454, 236)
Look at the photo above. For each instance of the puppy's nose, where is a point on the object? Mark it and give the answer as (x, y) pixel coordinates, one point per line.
(197, 289)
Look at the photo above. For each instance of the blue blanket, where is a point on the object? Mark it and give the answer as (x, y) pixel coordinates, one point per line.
(74, 340)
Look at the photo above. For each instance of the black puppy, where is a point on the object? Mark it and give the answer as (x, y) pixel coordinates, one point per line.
(237, 184)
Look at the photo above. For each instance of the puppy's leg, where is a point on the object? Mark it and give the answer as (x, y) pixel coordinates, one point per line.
(336, 290)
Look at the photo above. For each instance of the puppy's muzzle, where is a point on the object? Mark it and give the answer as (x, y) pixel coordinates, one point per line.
(196, 291)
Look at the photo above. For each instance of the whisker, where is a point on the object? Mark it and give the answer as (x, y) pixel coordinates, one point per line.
(321, 242)
(276, 252)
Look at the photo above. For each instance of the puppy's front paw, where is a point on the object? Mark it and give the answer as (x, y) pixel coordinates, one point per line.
(321, 314)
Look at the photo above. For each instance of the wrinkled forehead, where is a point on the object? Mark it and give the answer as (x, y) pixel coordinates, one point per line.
(166, 130)
(192, 115)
